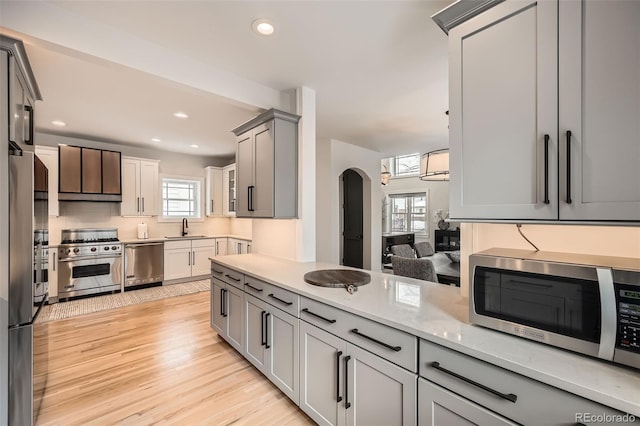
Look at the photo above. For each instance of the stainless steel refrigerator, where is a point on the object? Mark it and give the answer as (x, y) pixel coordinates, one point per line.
(23, 241)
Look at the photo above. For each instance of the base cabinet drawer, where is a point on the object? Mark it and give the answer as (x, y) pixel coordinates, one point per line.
(437, 406)
(227, 275)
(512, 395)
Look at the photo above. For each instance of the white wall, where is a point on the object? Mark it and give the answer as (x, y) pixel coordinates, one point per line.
(620, 241)
(333, 158)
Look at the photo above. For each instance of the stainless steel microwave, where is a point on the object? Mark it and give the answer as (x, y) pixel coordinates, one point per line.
(583, 303)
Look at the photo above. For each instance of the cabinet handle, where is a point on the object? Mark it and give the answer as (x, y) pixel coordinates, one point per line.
(248, 248)
(266, 334)
(568, 166)
(189, 259)
(250, 196)
(393, 348)
(256, 289)
(546, 169)
(280, 300)
(193, 255)
(142, 209)
(217, 251)
(138, 202)
(222, 302)
(508, 396)
(338, 397)
(54, 262)
(263, 339)
(233, 278)
(313, 314)
(347, 404)
(211, 207)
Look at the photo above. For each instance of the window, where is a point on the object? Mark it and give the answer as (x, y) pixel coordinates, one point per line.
(181, 198)
(406, 165)
(408, 212)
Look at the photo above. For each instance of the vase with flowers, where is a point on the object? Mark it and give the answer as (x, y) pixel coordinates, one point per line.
(441, 216)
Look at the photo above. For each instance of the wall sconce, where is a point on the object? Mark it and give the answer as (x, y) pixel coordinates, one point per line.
(434, 165)
(384, 176)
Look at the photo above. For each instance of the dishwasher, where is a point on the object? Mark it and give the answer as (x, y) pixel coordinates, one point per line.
(143, 263)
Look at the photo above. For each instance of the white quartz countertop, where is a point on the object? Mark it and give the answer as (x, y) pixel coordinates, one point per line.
(178, 238)
(438, 313)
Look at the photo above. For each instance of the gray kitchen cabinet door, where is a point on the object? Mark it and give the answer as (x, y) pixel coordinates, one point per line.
(264, 169)
(218, 321)
(600, 105)
(380, 393)
(503, 104)
(244, 173)
(322, 375)
(254, 350)
(234, 316)
(437, 406)
(283, 349)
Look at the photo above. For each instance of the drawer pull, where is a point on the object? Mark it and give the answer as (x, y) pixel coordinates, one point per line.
(280, 300)
(508, 396)
(217, 272)
(233, 278)
(307, 311)
(256, 289)
(364, 336)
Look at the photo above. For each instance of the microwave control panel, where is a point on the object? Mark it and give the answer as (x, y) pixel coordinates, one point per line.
(628, 298)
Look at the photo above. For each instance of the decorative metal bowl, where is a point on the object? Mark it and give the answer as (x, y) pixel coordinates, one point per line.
(453, 256)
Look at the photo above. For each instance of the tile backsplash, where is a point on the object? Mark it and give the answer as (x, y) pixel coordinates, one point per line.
(107, 215)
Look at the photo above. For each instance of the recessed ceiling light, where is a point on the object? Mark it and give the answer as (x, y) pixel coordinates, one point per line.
(58, 123)
(263, 27)
(180, 114)
(194, 146)
(155, 140)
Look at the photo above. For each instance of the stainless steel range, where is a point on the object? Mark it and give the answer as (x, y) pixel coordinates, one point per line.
(89, 262)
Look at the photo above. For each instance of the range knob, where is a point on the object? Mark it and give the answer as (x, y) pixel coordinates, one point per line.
(67, 251)
(76, 250)
(93, 249)
(106, 248)
(114, 247)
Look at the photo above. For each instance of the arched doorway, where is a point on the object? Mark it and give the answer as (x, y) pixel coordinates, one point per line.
(352, 219)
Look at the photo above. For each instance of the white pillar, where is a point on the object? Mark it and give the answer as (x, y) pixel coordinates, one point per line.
(306, 224)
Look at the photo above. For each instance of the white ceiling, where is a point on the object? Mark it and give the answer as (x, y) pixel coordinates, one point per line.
(116, 71)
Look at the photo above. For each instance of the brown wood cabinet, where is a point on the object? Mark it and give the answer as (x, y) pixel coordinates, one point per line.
(88, 174)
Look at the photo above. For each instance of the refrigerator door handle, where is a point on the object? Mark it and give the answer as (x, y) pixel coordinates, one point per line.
(35, 316)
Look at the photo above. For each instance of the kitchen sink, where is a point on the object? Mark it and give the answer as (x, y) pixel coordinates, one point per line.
(186, 237)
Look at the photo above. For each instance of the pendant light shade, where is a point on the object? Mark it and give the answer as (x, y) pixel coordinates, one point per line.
(434, 165)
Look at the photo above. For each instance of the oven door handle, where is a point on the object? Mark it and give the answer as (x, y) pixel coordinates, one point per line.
(81, 259)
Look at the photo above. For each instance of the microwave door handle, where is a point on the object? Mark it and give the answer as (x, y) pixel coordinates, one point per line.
(608, 311)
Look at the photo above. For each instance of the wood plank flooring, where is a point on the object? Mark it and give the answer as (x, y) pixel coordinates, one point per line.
(155, 363)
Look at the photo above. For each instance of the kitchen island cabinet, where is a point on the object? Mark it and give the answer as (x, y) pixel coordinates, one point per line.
(398, 309)
(227, 312)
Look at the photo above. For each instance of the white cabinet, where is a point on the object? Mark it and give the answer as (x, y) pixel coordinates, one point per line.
(546, 132)
(213, 183)
(139, 187)
(342, 384)
(49, 157)
(227, 312)
(221, 247)
(229, 190)
(238, 246)
(188, 258)
(271, 344)
(267, 166)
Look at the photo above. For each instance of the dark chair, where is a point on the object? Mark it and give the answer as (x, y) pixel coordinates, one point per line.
(421, 269)
(403, 250)
(423, 249)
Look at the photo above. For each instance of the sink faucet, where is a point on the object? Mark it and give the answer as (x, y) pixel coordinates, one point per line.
(185, 226)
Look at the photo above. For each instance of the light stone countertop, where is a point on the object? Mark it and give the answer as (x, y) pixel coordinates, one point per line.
(438, 313)
(177, 238)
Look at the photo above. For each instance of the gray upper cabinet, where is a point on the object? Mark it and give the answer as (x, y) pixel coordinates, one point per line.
(522, 75)
(267, 166)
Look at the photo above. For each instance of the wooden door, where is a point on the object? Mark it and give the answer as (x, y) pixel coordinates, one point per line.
(91, 171)
(262, 193)
(282, 349)
(600, 107)
(235, 317)
(111, 176)
(254, 350)
(218, 321)
(503, 105)
(352, 219)
(70, 162)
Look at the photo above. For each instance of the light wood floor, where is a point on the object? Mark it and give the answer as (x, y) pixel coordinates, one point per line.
(155, 363)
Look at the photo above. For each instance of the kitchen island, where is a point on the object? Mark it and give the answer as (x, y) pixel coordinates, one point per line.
(437, 314)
